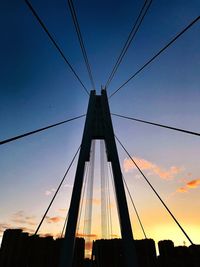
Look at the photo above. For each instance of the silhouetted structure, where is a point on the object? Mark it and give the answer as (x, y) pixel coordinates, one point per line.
(166, 251)
(18, 249)
(180, 256)
(98, 125)
(108, 253)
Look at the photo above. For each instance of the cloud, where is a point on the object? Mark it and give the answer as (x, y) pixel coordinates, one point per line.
(114, 236)
(189, 185)
(96, 201)
(151, 167)
(86, 235)
(28, 230)
(55, 219)
(3, 227)
(182, 189)
(20, 217)
(68, 185)
(47, 235)
(51, 234)
(193, 183)
(50, 191)
(62, 210)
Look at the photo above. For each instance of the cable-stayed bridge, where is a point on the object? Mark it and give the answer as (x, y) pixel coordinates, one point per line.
(98, 126)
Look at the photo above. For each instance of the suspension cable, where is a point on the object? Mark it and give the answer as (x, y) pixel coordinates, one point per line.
(104, 207)
(156, 124)
(136, 212)
(38, 130)
(156, 55)
(155, 191)
(83, 193)
(130, 38)
(109, 210)
(106, 218)
(64, 226)
(55, 44)
(89, 193)
(81, 206)
(81, 42)
(113, 188)
(54, 196)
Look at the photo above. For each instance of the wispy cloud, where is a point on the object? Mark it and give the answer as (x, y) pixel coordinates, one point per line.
(68, 185)
(62, 210)
(21, 221)
(182, 189)
(27, 229)
(55, 219)
(153, 168)
(189, 185)
(51, 234)
(21, 218)
(50, 191)
(3, 227)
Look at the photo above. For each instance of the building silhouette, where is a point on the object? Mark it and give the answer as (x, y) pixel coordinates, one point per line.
(19, 249)
(110, 253)
(181, 256)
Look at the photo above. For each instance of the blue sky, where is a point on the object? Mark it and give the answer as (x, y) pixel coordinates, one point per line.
(37, 89)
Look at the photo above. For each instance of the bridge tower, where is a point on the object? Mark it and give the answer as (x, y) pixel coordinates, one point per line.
(98, 125)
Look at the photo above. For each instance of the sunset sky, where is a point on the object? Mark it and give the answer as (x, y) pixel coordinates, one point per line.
(37, 89)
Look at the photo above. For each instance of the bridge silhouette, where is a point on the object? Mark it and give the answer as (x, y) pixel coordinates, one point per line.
(98, 126)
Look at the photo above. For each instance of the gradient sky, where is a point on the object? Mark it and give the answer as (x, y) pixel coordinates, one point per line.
(37, 89)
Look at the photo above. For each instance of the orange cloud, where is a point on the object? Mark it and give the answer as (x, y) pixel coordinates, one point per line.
(182, 189)
(193, 183)
(153, 168)
(96, 201)
(189, 185)
(53, 219)
(86, 235)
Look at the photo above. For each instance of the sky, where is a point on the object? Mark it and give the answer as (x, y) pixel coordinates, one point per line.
(37, 89)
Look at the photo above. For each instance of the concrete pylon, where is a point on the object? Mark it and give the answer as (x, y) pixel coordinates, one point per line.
(98, 125)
